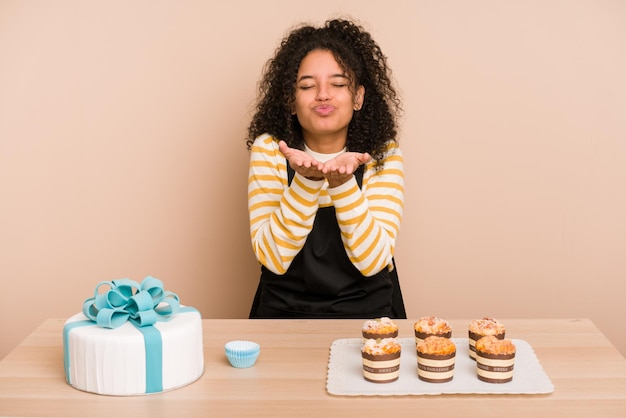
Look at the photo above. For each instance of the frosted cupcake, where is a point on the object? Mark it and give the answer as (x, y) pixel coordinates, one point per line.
(379, 328)
(381, 360)
(428, 326)
(435, 359)
(495, 359)
(483, 327)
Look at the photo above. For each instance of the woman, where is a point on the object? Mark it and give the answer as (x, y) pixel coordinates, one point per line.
(326, 182)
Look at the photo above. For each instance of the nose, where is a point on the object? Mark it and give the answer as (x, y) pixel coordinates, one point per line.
(323, 93)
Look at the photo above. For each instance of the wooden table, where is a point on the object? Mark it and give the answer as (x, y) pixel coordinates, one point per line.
(289, 378)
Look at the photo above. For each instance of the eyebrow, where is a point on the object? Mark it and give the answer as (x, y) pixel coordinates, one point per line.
(306, 77)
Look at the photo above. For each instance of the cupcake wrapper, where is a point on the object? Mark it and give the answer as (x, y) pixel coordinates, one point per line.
(242, 354)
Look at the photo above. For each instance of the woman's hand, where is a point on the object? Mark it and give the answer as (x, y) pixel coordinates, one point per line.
(341, 168)
(337, 170)
(301, 162)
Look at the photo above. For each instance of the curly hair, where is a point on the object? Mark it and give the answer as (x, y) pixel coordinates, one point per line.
(363, 62)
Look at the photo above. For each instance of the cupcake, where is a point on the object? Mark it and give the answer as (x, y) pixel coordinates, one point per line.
(381, 360)
(495, 359)
(480, 328)
(428, 326)
(379, 328)
(435, 359)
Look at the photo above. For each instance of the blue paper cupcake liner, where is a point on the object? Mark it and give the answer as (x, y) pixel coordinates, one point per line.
(242, 354)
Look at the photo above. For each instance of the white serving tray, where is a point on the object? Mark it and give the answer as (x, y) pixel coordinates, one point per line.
(345, 373)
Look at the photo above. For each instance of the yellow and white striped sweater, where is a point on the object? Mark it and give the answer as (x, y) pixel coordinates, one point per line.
(281, 216)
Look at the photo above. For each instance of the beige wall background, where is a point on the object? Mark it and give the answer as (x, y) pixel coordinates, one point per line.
(122, 153)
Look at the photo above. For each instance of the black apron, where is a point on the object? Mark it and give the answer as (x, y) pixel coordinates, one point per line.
(322, 282)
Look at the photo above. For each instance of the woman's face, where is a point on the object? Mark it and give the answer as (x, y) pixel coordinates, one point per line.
(325, 101)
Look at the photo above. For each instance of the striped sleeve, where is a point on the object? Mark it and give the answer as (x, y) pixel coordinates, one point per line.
(281, 216)
(369, 218)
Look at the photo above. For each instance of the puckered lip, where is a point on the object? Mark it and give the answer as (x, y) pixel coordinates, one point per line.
(324, 109)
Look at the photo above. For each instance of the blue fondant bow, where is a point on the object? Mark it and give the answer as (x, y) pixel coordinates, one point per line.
(126, 300)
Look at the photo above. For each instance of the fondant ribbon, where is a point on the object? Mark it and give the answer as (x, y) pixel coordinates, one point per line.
(126, 300)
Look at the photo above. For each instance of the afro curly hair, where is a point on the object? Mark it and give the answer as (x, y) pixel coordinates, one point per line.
(361, 58)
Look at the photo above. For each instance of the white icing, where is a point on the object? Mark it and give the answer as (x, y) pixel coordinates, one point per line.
(112, 361)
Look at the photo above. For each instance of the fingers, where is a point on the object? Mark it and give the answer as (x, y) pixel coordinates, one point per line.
(289, 153)
(346, 163)
(365, 158)
(300, 161)
(340, 167)
(283, 147)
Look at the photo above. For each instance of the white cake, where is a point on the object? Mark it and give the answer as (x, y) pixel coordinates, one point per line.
(130, 358)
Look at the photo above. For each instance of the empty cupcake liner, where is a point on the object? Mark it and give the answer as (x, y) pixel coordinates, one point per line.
(242, 354)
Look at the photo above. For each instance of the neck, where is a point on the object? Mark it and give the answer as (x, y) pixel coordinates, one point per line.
(326, 144)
